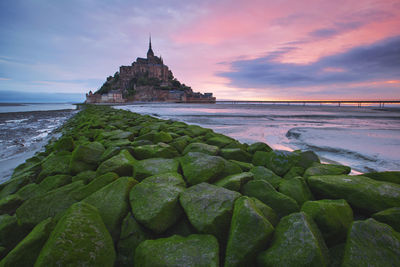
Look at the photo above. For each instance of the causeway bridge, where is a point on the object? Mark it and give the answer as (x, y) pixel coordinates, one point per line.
(359, 103)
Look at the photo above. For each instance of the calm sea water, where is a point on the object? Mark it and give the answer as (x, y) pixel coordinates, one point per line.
(366, 138)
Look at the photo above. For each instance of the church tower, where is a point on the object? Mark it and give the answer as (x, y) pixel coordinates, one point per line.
(150, 52)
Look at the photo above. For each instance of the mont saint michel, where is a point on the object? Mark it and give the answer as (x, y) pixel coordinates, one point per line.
(146, 80)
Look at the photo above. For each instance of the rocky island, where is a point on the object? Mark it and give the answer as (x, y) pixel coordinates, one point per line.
(123, 189)
(147, 79)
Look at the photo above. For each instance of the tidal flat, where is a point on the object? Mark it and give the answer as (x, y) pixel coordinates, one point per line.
(123, 189)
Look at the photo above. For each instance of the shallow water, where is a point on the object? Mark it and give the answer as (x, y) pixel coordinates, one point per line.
(366, 138)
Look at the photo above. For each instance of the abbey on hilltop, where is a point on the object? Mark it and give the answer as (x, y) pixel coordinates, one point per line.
(147, 79)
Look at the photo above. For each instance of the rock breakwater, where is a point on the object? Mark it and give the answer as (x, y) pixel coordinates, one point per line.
(122, 189)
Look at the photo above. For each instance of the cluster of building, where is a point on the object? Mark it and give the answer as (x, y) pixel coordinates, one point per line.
(147, 79)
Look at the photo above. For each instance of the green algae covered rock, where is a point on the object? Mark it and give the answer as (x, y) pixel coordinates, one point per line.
(112, 203)
(30, 190)
(39, 208)
(149, 167)
(260, 158)
(14, 184)
(297, 242)
(53, 182)
(333, 218)
(265, 192)
(220, 141)
(326, 169)
(297, 189)
(294, 172)
(64, 143)
(306, 159)
(370, 243)
(264, 174)
(85, 176)
(10, 231)
(89, 153)
(180, 143)
(26, 252)
(55, 164)
(360, 192)
(10, 203)
(393, 177)
(93, 186)
(266, 211)
(235, 154)
(390, 216)
(259, 146)
(155, 201)
(201, 147)
(159, 150)
(132, 234)
(120, 164)
(199, 167)
(234, 182)
(249, 234)
(229, 168)
(191, 251)
(80, 238)
(209, 208)
(280, 161)
(245, 166)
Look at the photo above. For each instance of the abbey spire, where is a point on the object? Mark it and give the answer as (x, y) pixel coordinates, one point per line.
(150, 52)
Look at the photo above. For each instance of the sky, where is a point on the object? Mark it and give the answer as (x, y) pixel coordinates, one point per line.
(237, 49)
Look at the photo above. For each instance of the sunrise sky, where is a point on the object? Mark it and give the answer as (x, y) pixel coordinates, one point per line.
(249, 50)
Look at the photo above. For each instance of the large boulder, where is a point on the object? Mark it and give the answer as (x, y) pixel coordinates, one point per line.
(249, 233)
(262, 173)
(55, 164)
(132, 234)
(65, 143)
(199, 167)
(333, 218)
(10, 232)
(266, 211)
(297, 189)
(80, 238)
(280, 161)
(326, 169)
(10, 203)
(201, 147)
(194, 250)
(220, 141)
(55, 181)
(259, 146)
(393, 176)
(86, 157)
(370, 243)
(122, 164)
(360, 192)
(112, 203)
(160, 150)
(390, 216)
(30, 190)
(149, 167)
(209, 208)
(306, 159)
(26, 252)
(236, 154)
(235, 181)
(155, 201)
(297, 242)
(93, 186)
(265, 192)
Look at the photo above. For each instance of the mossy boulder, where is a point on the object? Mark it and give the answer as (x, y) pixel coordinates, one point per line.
(39, 208)
(393, 177)
(264, 174)
(110, 152)
(201, 147)
(65, 143)
(245, 166)
(365, 194)
(85, 176)
(234, 182)
(132, 234)
(297, 242)
(259, 146)
(10, 232)
(209, 208)
(55, 164)
(249, 234)
(390, 216)
(326, 169)
(235, 154)
(333, 218)
(30, 190)
(149, 167)
(93, 186)
(112, 203)
(53, 182)
(280, 161)
(260, 158)
(155, 201)
(194, 250)
(220, 141)
(156, 137)
(230, 168)
(122, 164)
(265, 192)
(160, 150)
(371, 243)
(80, 238)
(199, 167)
(266, 211)
(306, 159)
(89, 153)
(10, 203)
(180, 143)
(294, 172)
(297, 189)
(14, 184)
(26, 252)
